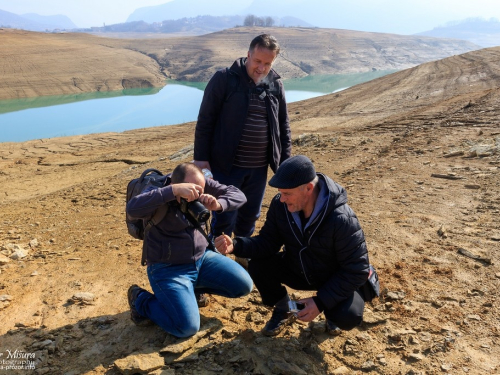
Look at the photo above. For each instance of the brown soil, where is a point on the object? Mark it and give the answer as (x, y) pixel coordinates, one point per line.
(419, 154)
(36, 64)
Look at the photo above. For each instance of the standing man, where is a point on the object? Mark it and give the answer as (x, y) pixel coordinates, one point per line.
(242, 128)
(324, 250)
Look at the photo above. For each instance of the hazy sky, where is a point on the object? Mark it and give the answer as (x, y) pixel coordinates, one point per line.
(407, 16)
(83, 13)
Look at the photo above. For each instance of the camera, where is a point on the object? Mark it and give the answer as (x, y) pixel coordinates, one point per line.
(195, 209)
(295, 306)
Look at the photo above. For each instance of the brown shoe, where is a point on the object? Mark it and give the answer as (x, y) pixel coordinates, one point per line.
(332, 329)
(137, 318)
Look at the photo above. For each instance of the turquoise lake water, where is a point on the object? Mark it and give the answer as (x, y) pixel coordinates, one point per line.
(175, 103)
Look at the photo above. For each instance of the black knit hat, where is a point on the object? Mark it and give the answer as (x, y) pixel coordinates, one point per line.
(293, 172)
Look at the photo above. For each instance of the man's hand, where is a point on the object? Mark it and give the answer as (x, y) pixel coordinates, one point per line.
(187, 190)
(210, 202)
(202, 164)
(310, 312)
(224, 244)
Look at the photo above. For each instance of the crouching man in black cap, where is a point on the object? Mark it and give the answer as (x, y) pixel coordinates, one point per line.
(324, 250)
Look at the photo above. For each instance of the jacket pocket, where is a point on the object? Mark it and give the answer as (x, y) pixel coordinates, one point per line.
(174, 248)
(177, 250)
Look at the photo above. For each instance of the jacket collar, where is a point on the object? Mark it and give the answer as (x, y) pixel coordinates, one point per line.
(331, 195)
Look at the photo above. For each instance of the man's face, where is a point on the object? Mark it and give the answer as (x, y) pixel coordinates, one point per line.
(296, 198)
(259, 63)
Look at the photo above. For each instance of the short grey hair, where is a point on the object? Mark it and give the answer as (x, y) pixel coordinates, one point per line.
(265, 41)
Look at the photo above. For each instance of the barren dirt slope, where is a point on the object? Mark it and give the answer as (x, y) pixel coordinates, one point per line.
(36, 64)
(421, 173)
(304, 51)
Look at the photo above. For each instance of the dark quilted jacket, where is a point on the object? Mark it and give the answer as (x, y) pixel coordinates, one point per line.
(331, 253)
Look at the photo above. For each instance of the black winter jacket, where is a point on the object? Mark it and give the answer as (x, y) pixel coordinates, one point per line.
(330, 254)
(174, 240)
(223, 112)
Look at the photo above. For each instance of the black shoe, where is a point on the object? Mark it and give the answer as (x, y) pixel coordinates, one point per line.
(278, 321)
(137, 318)
(332, 329)
(202, 299)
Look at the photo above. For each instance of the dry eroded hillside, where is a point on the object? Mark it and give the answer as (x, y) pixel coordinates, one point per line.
(419, 154)
(35, 64)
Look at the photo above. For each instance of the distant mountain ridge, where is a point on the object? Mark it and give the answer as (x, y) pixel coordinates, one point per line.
(191, 25)
(59, 20)
(177, 9)
(180, 9)
(485, 33)
(196, 25)
(348, 15)
(35, 22)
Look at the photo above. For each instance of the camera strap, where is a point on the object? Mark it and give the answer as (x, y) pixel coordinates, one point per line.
(196, 225)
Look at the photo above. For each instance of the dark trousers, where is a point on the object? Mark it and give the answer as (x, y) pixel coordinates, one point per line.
(271, 274)
(252, 182)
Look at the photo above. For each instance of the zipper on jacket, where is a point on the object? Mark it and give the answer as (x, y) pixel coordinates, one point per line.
(319, 222)
(309, 239)
(302, 264)
(291, 226)
(300, 242)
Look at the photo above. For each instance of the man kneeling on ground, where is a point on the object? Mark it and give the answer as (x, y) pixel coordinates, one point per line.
(178, 263)
(324, 250)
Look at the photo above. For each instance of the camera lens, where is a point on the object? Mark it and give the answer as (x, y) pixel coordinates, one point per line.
(198, 211)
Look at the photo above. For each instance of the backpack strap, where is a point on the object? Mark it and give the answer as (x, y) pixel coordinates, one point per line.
(160, 211)
(157, 217)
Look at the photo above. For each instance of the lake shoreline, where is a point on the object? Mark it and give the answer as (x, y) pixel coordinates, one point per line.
(39, 64)
(174, 103)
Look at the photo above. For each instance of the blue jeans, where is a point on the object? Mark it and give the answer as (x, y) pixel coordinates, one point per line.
(252, 182)
(173, 305)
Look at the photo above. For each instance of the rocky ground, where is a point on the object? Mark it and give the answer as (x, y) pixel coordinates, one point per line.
(417, 151)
